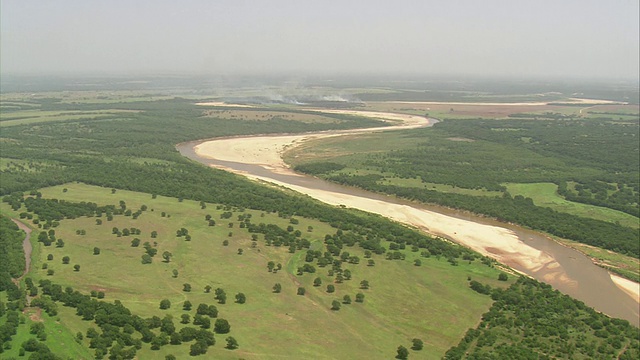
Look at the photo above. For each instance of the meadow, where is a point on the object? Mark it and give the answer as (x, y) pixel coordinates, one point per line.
(268, 325)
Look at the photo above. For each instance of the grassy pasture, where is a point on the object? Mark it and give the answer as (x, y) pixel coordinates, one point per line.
(544, 194)
(431, 302)
(264, 115)
(26, 117)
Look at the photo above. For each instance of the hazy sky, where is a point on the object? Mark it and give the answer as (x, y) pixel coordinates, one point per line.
(577, 38)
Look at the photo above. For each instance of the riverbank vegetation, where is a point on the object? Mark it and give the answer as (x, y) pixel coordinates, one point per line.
(594, 162)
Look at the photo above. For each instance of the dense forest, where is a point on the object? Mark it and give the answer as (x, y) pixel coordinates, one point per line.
(530, 320)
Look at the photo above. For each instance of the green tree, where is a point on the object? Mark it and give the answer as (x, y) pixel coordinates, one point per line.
(167, 256)
(317, 281)
(65, 259)
(96, 251)
(165, 304)
(186, 306)
(301, 291)
(417, 344)
(271, 265)
(175, 273)
(135, 242)
(50, 257)
(59, 243)
(277, 288)
(331, 288)
(347, 274)
(346, 299)
(364, 284)
(335, 305)
(241, 298)
(417, 262)
(186, 287)
(359, 297)
(146, 259)
(221, 326)
(185, 319)
(503, 277)
(76, 267)
(154, 234)
(231, 343)
(403, 353)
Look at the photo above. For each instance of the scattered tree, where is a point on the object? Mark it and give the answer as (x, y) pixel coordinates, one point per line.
(186, 287)
(65, 260)
(359, 297)
(186, 306)
(364, 284)
(403, 353)
(417, 344)
(503, 277)
(231, 343)
(346, 299)
(241, 298)
(167, 256)
(277, 288)
(331, 288)
(76, 267)
(175, 273)
(96, 251)
(301, 291)
(146, 259)
(335, 305)
(165, 304)
(317, 281)
(221, 326)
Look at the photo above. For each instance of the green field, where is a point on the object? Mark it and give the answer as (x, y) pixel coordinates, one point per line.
(545, 194)
(269, 325)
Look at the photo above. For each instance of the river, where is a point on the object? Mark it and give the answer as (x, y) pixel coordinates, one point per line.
(531, 253)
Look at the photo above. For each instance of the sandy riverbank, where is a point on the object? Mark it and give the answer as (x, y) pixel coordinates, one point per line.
(630, 287)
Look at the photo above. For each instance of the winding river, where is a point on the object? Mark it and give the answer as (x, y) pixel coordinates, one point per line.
(571, 272)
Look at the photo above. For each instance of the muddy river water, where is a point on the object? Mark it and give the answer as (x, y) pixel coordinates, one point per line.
(524, 250)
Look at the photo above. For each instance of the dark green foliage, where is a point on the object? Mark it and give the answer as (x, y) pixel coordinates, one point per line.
(232, 343)
(530, 320)
(221, 326)
(165, 304)
(319, 168)
(402, 353)
(12, 259)
(417, 344)
(241, 298)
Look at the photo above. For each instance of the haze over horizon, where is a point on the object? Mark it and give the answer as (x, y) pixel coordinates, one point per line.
(584, 39)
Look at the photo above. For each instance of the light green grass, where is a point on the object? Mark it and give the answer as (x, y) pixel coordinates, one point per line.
(544, 194)
(25, 117)
(431, 302)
